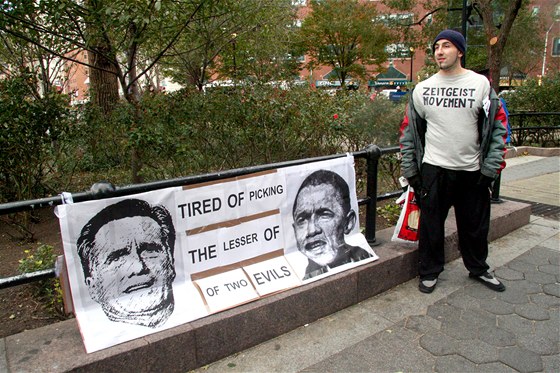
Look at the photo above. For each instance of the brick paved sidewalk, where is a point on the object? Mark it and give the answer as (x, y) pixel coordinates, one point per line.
(473, 329)
(461, 327)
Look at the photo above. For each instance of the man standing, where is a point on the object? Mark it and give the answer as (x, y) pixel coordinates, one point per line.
(453, 145)
(126, 251)
(322, 216)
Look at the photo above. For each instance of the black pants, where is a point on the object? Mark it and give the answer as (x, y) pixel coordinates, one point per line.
(441, 189)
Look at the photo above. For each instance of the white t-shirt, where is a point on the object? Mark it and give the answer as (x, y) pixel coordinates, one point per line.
(450, 105)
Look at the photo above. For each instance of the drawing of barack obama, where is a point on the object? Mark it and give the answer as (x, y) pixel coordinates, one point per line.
(322, 216)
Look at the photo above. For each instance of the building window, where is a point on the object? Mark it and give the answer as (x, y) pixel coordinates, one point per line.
(396, 19)
(555, 47)
(399, 50)
(297, 58)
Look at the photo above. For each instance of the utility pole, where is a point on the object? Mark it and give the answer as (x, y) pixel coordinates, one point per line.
(411, 62)
(464, 16)
(543, 72)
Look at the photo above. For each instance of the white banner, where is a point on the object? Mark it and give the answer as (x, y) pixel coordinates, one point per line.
(144, 263)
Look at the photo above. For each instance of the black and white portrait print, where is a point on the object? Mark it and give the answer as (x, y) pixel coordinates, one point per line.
(322, 216)
(127, 256)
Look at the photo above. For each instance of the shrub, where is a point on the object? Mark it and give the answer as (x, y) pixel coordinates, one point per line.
(390, 212)
(186, 133)
(535, 96)
(46, 291)
(32, 130)
(189, 132)
(532, 96)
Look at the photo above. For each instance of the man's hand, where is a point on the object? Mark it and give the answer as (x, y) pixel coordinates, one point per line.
(415, 182)
(485, 181)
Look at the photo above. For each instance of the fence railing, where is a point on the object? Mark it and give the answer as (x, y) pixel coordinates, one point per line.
(535, 128)
(371, 154)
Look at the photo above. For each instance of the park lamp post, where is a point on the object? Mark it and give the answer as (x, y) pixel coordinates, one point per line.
(234, 50)
(411, 62)
(543, 71)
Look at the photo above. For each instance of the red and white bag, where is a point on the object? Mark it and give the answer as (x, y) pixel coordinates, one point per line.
(407, 226)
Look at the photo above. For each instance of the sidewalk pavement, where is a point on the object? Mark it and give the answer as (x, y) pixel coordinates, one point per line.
(531, 178)
(462, 326)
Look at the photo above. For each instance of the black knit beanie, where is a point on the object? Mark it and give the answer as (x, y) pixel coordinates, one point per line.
(454, 37)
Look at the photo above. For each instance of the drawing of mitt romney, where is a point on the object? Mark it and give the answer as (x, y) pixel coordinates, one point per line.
(126, 252)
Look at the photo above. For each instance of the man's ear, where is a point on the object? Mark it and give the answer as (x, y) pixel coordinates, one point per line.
(350, 221)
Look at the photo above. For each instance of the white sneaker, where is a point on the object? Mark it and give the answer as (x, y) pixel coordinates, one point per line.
(489, 280)
(427, 286)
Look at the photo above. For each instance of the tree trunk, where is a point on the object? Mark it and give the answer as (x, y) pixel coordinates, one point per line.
(133, 96)
(103, 83)
(497, 35)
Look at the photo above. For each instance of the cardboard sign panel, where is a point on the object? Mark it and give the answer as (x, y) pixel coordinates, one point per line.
(226, 290)
(272, 275)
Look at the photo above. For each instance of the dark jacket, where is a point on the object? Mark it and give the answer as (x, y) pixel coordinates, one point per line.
(492, 137)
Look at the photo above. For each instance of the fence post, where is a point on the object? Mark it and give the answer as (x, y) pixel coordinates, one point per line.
(373, 153)
(495, 198)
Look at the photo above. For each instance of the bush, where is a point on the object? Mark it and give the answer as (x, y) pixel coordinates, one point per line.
(532, 96)
(390, 211)
(47, 291)
(100, 141)
(187, 133)
(535, 97)
(33, 129)
(190, 132)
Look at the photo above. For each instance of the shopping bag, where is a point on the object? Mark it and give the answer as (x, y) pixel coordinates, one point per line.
(407, 226)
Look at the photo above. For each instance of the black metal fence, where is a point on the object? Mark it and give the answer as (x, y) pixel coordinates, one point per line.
(535, 129)
(371, 155)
